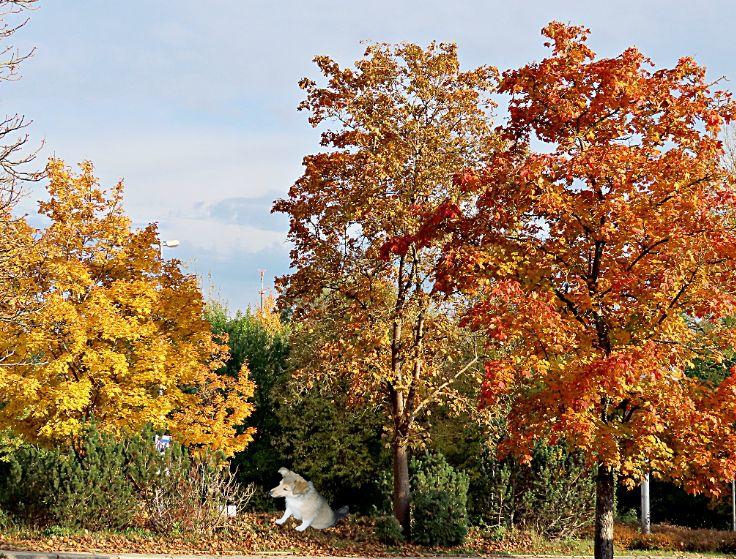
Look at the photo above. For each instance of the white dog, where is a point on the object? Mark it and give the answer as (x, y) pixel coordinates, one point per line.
(304, 503)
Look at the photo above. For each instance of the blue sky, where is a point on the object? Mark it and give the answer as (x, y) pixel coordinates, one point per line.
(193, 104)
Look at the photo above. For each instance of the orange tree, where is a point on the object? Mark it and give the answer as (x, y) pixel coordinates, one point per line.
(117, 335)
(602, 249)
(397, 128)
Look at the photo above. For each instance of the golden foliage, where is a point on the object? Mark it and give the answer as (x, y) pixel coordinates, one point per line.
(269, 316)
(118, 335)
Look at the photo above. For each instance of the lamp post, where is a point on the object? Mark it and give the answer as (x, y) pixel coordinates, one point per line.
(172, 243)
(261, 292)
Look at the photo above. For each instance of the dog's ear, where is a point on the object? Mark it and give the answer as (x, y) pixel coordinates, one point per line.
(300, 487)
(284, 472)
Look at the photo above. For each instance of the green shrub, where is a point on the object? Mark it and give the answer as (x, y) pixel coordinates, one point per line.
(628, 516)
(332, 443)
(439, 504)
(495, 491)
(496, 533)
(5, 521)
(27, 482)
(109, 483)
(265, 352)
(557, 497)
(60, 531)
(90, 486)
(553, 496)
(388, 530)
(148, 469)
(83, 488)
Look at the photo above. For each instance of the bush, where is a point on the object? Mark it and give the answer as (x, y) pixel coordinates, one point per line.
(495, 491)
(553, 496)
(84, 488)
(558, 497)
(151, 472)
(439, 506)
(177, 492)
(332, 443)
(26, 483)
(195, 499)
(388, 530)
(90, 488)
(106, 483)
(5, 521)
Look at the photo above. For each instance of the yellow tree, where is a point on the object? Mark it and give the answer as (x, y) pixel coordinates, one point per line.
(397, 128)
(119, 336)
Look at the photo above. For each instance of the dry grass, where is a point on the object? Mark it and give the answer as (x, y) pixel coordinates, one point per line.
(665, 537)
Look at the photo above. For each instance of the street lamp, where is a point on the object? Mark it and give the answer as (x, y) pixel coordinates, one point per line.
(173, 243)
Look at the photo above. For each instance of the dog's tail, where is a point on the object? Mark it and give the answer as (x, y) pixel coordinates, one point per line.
(341, 513)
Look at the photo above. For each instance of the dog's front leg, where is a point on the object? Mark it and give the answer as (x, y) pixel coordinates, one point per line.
(287, 514)
(304, 525)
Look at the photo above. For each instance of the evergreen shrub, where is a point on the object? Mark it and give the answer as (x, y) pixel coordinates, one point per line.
(439, 505)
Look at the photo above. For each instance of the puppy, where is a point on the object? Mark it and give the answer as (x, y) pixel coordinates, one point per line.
(304, 503)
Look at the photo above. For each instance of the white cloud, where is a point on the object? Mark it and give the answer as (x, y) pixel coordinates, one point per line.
(222, 240)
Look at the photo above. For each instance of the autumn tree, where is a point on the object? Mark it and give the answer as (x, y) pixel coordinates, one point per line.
(15, 236)
(602, 250)
(396, 128)
(13, 139)
(119, 336)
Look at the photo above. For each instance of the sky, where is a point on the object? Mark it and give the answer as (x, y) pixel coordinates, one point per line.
(193, 103)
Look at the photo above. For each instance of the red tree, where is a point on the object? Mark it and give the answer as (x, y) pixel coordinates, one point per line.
(602, 250)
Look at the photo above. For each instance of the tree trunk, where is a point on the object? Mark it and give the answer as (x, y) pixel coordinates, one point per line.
(401, 484)
(604, 502)
(646, 521)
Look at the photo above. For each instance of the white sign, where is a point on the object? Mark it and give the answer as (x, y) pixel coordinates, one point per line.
(229, 510)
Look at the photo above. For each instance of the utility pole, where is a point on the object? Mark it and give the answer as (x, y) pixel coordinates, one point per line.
(646, 525)
(262, 291)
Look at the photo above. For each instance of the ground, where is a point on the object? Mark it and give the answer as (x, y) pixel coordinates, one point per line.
(257, 534)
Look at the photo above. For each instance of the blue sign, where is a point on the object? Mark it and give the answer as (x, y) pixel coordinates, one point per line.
(163, 442)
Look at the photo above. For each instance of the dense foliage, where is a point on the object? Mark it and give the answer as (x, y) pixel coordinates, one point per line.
(603, 264)
(118, 335)
(258, 341)
(388, 530)
(397, 127)
(105, 482)
(439, 502)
